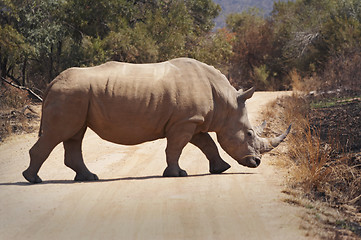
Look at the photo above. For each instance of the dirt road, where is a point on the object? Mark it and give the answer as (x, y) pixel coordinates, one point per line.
(132, 201)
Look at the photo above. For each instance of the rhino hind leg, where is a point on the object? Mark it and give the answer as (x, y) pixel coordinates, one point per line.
(206, 144)
(74, 158)
(62, 119)
(38, 154)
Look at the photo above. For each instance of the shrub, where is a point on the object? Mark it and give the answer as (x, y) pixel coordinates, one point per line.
(321, 164)
(11, 97)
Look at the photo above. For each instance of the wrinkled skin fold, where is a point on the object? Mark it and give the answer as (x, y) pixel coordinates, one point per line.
(180, 100)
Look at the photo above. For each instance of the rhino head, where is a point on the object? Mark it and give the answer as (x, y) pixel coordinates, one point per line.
(240, 140)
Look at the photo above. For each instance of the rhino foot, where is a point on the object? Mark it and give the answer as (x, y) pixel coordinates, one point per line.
(171, 172)
(219, 168)
(31, 178)
(86, 177)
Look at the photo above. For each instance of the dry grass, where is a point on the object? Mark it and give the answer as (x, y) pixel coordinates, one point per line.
(304, 84)
(316, 165)
(321, 170)
(311, 161)
(11, 97)
(308, 160)
(15, 114)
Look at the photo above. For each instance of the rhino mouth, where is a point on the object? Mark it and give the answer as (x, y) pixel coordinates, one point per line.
(250, 161)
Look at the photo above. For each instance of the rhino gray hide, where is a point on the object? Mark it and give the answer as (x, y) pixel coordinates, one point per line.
(180, 100)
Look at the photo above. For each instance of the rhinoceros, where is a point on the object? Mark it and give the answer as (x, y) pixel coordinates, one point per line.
(180, 100)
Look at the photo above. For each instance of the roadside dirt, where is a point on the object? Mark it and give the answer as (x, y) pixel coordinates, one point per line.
(133, 201)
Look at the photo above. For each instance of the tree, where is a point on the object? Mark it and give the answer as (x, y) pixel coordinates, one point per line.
(42, 27)
(215, 49)
(341, 32)
(251, 48)
(42, 38)
(298, 34)
(12, 42)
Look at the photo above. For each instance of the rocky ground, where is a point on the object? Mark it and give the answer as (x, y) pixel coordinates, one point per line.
(19, 121)
(19, 113)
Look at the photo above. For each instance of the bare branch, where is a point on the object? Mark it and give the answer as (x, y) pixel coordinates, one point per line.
(23, 88)
(300, 42)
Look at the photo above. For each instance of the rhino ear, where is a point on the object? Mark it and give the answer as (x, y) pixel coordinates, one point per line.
(244, 95)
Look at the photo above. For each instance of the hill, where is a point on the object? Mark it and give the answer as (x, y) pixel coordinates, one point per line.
(237, 6)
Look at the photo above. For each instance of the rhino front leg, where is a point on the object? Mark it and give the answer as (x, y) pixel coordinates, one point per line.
(173, 169)
(177, 139)
(206, 144)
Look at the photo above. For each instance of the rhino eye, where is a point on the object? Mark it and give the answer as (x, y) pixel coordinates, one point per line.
(249, 133)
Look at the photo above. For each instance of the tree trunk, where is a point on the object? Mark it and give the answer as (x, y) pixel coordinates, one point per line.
(4, 62)
(51, 63)
(58, 58)
(24, 71)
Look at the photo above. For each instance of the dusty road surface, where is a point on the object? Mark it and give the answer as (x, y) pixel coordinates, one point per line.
(132, 201)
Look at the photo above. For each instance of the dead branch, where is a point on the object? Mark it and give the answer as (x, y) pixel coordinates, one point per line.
(353, 201)
(27, 107)
(23, 88)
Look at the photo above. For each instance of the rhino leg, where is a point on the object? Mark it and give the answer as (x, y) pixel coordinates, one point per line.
(177, 139)
(38, 154)
(74, 158)
(62, 118)
(206, 144)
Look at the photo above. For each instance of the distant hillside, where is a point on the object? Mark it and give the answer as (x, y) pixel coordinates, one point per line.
(237, 6)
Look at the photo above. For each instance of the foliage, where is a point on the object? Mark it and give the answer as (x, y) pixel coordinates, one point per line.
(299, 36)
(215, 49)
(232, 6)
(251, 49)
(39, 39)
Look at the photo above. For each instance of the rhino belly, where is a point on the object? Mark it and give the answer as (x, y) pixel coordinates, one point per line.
(124, 133)
(126, 124)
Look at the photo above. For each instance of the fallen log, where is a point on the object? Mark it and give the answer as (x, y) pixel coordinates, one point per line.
(23, 88)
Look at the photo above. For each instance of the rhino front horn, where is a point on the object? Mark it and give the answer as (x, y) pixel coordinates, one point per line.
(269, 144)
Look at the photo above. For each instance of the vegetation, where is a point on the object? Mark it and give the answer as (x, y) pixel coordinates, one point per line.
(237, 6)
(323, 155)
(307, 36)
(39, 39)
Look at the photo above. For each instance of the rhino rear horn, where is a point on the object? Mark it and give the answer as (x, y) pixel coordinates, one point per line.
(269, 144)
(259, 129)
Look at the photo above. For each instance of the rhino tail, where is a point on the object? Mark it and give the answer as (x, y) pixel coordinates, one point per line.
(41, 120)
(42, 107)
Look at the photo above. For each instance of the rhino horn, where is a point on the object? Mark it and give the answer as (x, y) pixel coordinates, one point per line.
(244, 95)
(269, 144)
(259, 129)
